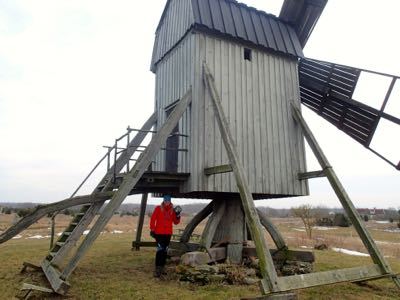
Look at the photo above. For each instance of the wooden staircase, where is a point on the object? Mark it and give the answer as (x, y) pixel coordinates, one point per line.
(121, 185)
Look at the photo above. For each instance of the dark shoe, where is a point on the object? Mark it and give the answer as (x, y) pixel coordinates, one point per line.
(157, 272)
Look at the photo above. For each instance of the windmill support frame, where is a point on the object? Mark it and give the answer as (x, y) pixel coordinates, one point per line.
(272, 284)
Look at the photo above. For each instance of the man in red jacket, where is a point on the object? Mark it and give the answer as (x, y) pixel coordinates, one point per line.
(161, 229)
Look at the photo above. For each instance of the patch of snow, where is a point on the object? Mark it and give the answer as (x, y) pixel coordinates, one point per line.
(86, 232)
(324, 228)
(59, 234)
(299, 229)
(397, 230)
(305, 247)
(386, 243)
(349, 252)
(117, 231)
(382, 222)
(38, 237)
(17, 237)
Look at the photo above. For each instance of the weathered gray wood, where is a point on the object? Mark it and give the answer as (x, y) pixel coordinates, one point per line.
(53, 275)
(212, 224)
(130, 181)
(139, 229)
(234, 253)
(283, 255)
(285, 296)
(30, 287)
(329, 277)
(344, 198)
(269, 281)
(196, 221)
(309, 175)
(105, 185)
(231, 229)
(272, 230)
(42, 210)
(217, 170)
(26, 265)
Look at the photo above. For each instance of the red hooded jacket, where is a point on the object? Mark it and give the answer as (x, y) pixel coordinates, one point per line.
(162, 218)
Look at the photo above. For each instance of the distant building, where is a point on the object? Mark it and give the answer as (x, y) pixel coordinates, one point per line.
(372, 213)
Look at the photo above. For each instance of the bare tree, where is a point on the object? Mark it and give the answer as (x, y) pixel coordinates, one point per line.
(306, 214)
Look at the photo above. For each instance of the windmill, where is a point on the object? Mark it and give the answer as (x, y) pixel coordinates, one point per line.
(227, 126)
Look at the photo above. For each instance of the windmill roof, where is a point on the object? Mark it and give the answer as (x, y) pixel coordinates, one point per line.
(245, 23)
(235, 21)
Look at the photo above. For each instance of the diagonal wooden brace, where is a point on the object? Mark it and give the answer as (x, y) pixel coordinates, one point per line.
(269, 283)
(129, 182)
(344, 198)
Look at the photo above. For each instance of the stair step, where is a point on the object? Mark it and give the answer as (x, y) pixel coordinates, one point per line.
(53, 254)
(67, 233)
(80, 214)
(60, 244)
(74, 223)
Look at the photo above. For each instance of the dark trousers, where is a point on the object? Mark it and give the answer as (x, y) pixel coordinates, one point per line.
(162, 248)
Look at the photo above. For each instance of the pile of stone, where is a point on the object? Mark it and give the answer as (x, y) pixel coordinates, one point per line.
(221, 273)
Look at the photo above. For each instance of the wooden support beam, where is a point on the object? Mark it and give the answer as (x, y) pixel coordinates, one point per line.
(217, 170)
(130, 181)
(212, 224)
(344, 198)
(329, 277)
(283, 255)
(196, 221)
(269, 280)
(42, 210)
(272, 230)
(32, 287)
(53, 275)
(143, 205)
(312, 174)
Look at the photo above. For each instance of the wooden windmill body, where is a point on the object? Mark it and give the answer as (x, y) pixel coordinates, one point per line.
(228, 127)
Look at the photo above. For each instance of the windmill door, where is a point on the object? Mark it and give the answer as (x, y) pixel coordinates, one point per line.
(172, 145)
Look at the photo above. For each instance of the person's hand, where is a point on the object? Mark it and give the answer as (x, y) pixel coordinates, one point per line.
(178, 211)
(152, 234)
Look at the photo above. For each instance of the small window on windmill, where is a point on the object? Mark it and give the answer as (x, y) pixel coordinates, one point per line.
(247, 54)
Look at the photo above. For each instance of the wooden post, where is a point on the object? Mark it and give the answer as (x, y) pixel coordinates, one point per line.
(212, 224)
(143, 205)
(53, 225)
(272, 230)
(269, 283)
(129, 181)
(195, 221)
(344, 198)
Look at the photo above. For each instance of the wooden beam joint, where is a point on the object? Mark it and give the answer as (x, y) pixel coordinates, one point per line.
(218, 170)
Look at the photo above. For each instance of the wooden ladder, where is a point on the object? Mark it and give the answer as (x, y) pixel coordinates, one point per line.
(68, 239)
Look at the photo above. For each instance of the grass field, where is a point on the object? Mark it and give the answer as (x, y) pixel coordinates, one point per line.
(111, 270)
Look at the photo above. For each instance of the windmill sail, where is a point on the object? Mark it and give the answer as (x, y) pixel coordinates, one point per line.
(327, 89)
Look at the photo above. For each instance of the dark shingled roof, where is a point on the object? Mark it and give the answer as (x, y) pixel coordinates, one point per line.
(238, 21)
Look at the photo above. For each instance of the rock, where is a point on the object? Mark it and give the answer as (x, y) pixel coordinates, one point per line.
(321, 246)
(296, 267)
(254, 263)
(250, 272)
(207, 269)
(175, 260)
(217, 278)
(195, 258)
(250, 281)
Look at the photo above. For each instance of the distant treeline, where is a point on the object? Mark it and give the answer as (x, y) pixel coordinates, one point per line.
(23, 209)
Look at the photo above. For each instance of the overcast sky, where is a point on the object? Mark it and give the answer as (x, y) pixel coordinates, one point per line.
(75, 74)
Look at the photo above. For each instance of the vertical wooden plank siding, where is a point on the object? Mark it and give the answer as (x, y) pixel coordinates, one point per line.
(255, 97)
(176, 22)
(173, 78)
